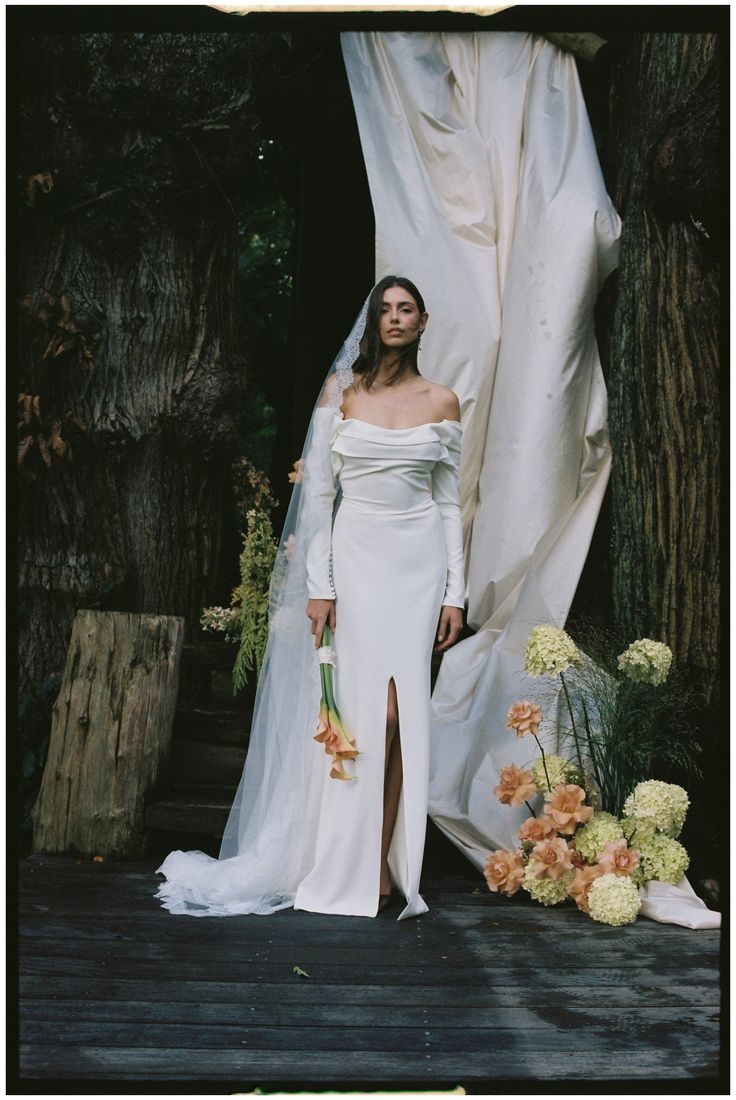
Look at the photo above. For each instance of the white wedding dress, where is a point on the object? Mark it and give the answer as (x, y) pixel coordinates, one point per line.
(391, 559)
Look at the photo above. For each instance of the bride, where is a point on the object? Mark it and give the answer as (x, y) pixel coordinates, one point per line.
(372, 546)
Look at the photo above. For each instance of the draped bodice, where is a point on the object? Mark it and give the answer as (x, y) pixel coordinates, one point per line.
(389, 468)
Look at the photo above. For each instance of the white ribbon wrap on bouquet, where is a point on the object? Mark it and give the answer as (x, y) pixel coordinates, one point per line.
(326, 655)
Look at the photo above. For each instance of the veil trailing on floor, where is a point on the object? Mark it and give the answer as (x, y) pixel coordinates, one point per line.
(262, 856)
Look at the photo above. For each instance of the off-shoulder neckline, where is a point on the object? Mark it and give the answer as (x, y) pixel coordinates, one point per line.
(383, 428)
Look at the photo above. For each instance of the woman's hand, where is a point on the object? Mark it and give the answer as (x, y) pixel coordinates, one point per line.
(321, 612)
(450, 625)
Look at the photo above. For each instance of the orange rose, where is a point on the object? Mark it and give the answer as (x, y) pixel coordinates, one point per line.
(551, 858)
(575, 857)
(617, 858)
(524, 717)
(578, 888)
(515, 787)
(536, 829)
(565, 807)
(504, 872)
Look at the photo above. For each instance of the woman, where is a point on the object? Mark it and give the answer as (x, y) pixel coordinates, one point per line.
(385, 572)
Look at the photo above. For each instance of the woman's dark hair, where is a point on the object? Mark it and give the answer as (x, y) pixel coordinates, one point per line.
(371, 348)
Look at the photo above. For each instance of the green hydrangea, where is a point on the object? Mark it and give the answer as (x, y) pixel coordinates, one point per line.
(646, 661)
(549, 651)
(590, 839)
(661, 858)
(613, 899)
(663, 804)
(546, 890)
(637, 830)
(559, 769)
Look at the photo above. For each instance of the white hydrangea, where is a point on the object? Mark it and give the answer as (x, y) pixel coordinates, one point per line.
(592, 838)
(547, 891)
(663, 804)
(661, 858)
(637, 830)
(559, 770)
(549, 651)
(613, 899)
(646, 661)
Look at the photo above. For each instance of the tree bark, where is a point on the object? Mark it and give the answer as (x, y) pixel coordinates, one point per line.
(132, 155)
(110, 734)
(662, 163)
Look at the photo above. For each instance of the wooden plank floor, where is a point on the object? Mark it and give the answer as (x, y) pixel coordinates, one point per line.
(480, 991)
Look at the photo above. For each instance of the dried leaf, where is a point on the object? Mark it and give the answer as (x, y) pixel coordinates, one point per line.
(39, 183)
(43, 449)
(298, 970)
(24, 447)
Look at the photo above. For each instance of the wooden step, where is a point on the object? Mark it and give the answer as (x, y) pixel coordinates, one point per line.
(213, 725)
(195, 762)
(193, 810)
(212, 654)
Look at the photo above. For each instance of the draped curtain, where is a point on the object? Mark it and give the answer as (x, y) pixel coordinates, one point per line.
(488, 193)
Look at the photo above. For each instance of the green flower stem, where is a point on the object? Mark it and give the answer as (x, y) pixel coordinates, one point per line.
(574, 727)
(591, 747)
(544, 762)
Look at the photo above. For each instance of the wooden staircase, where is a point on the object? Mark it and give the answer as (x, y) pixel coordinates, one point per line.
(208, 750)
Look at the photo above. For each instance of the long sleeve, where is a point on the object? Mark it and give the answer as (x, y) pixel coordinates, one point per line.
(320, 486)
(446, 492)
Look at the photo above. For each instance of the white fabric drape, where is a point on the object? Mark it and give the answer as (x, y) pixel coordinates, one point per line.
(488, 193)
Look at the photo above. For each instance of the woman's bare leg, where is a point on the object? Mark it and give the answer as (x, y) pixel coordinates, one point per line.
(393, 775)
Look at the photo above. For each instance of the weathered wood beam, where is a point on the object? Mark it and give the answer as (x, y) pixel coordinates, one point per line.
(584, 45)
(110, 733)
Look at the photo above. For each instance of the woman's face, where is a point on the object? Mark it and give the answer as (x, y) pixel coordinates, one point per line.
(400, 322)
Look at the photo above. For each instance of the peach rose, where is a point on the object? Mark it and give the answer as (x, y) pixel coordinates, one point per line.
(504, 872)
(575, 857)
(536, 829)
(617, 858)
(524, 717)
(551, 858)
(565, 807)
(516, 785)
(578, 888)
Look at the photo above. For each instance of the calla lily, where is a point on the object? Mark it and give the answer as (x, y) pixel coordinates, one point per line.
(331, 731)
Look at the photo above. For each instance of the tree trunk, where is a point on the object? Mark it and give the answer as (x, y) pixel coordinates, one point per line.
(662, 166)
(133, 151)
(110, 734)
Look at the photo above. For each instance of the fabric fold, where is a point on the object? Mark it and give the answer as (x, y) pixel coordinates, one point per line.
(488, 193)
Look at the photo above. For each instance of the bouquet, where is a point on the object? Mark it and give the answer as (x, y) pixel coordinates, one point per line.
(331, 731)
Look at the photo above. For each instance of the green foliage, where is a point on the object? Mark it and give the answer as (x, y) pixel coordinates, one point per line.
(632, 730)
(256, 565)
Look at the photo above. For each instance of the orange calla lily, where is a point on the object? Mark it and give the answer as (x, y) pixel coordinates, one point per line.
(331, 731)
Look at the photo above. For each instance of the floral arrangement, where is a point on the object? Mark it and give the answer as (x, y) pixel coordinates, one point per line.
(629, 716)
(246, 619)
(331, 731)
(576, 847)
